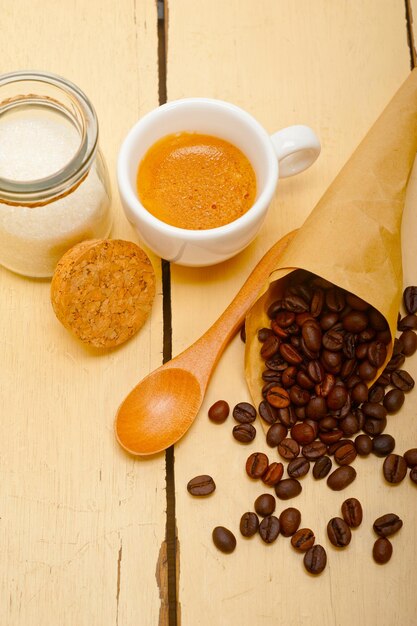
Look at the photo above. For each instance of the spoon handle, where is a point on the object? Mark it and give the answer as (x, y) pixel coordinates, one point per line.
(202, 356)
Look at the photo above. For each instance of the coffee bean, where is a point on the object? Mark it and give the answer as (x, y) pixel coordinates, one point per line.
(201, 485)
(249, 524)
(382, 445)
(339, 532)
(285, 318)
(263, 334)
(312, 334)
(331, 448)
(375, 411)
(363, 445)
(297, 468)
(346, 454)
(278, 397)
(287, 416)
(335, 299)
(270, 347)
(387, 525)
(355, 321)
(352, 512)
(256, 465)
(356, 303)
(244, 433)
(376, 393)
(303, 433)
(265, 504)
(395, 363)
(349, 425)
(288, 488)
(402, 380)
(219, 411)
(377, 320)
(337, 397)
(315, 559)
(290, 354)
(360, 393)
(377, 353)
(367, 371)
(244, 413)
(304, 381)
(268, 413)
(382, 550)
(316, 408)
(224, 539)
(409, 322)
(294, 303)
(299, 396)
(276, 433)
(332, 361)
(269, 529)
(315, 371)
(410, 299)
(313, 451)
(411, 457)
(288, 449)
(413, 474)
(409, 342)
(361, 351)
(341, 477)
(303, 539)
(273, 474)
(289, 376)
(374, 426)
(331, 436)
(289, 521)
(326, 385)
(394, 468)
(394, 400)
(322, 467)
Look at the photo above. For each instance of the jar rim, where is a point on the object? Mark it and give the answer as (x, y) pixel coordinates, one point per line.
(42, 190)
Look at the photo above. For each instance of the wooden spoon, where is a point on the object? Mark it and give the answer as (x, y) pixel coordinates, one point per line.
(162, 407)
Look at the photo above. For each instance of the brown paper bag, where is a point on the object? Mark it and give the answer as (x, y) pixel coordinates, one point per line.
(352, 238)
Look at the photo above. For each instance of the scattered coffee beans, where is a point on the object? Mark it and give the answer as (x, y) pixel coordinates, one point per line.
(289, 521)
(303, 539)
(298, 467)
(363, 445)
(382, 550)
(219, 411)
(411, 457)
(244, 433)
(249, 524)
(265, 504)
(202, 485)
(288, 488)
(256, 465)
(269, 529)
(410, 299)
(352, 512)
(315, 559)
(394, 468)
(339, 532)
(387, 525)
(276, 433)
(224, 539)
(244, 413)
(322, 467)
(382, 445)
(341, 477)
(273, 474)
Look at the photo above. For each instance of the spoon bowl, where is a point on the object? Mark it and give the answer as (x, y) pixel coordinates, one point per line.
(163, 406)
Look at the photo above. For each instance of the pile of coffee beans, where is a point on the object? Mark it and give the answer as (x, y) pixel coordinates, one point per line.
(323, 348)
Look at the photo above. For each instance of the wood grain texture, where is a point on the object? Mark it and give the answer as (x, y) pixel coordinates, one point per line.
(333, 66)
(81, 522)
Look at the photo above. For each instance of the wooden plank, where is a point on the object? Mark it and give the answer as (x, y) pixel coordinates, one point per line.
(333, 66)
(81, 522)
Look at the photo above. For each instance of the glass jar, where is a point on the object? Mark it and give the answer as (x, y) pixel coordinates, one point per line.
(54, 187)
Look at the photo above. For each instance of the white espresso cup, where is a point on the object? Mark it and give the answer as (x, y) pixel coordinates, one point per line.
(285, 153)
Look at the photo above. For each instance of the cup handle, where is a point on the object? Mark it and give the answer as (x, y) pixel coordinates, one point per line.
(296, 147)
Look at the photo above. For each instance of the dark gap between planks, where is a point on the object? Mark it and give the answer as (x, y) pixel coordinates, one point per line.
(171, 526)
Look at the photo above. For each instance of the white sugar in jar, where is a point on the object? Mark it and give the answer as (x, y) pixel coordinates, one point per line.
(54, 189)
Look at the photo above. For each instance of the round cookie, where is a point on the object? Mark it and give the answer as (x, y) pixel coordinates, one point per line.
(103, 290)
